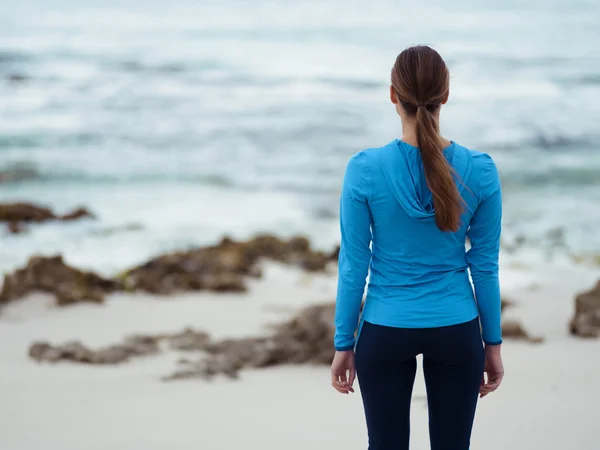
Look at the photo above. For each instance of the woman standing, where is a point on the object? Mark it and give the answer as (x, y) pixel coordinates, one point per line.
(406, 211)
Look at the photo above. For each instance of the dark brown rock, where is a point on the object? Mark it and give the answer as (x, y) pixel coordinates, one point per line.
(24, 212)
(75, 351)
(51, 274)
(513, 329)
(305, 339)
(220, 268)
(76, 214)
(298, 244)
(206, 369)
(15, 214)
(226, 282)
(586, 320)
(188, 340)
(311, 262)
(506, 304)
(40, 351)
(335, 254)
(16, 227)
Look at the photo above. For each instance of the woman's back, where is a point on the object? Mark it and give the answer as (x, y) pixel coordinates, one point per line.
(419, 275)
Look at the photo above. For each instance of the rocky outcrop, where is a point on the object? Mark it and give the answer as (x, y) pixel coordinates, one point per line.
(504, 303)
(224, 267)
(77, 352)
(514, 330)
(51, 274)
(305, 339)
(132, 346)
(16, 228)
(220, 268)
(17, 214)
(77, 213)
(25, 212)
(586, 321)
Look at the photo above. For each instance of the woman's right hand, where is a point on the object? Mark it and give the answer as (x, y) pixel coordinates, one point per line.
(493, 370)
(343, 372)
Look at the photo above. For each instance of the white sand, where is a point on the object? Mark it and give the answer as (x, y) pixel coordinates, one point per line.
(549, 400)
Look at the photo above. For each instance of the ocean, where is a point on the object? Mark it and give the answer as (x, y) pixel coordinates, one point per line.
(179, 122)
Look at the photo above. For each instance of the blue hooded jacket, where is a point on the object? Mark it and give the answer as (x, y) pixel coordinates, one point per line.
(419, 275)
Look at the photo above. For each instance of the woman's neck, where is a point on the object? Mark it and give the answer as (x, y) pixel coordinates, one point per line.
(409, 135)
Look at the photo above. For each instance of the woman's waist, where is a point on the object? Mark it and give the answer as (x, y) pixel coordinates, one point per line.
(411, 278)
(434, 305)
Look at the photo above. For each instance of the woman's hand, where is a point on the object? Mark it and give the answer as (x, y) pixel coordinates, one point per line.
(343, 372)
(494, 370)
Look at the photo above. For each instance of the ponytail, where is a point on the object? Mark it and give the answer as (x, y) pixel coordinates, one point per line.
(420, 80)
(438, 172)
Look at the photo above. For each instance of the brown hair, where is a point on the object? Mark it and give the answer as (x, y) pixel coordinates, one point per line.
(420, 79)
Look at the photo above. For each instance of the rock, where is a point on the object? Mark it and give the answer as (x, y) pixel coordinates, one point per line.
(17, 213)
(76, 214)
(311, 262)
(220, 268)
(226, 282)
(266, 246)
(305, 339)
(140, 345)
(110, 355)
(308, 337)
(586, 320)
(506, 304)
(206, 369)
(15, 227)
(51, 274)
(335, 254)
(24, 212)
(189, 340)
(298, 244)
(39, 350)
(513, 329)
(75, 351)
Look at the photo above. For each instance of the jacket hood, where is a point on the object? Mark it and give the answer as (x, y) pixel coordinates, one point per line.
(403, 170)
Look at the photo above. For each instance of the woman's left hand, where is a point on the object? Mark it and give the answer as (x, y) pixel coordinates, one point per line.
(343, 372)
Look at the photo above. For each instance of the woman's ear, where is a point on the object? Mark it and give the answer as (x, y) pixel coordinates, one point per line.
(393, 96)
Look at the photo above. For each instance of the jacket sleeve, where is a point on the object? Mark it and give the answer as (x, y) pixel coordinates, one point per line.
(355, 251)
(482, 257)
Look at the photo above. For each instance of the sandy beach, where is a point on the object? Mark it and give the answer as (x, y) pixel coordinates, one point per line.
(549, 399)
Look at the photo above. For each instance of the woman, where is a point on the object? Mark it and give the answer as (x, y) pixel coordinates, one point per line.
(406, 211)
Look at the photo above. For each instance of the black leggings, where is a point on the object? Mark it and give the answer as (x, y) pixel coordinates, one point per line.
(386, 364)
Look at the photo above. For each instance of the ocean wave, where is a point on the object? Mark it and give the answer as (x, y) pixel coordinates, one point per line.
(351, 83)
(7, 57)
(27, 171)
(555, 176)
(544, 142)
(589, 79)
(549, 142)
(18, 172)
(167, 67)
